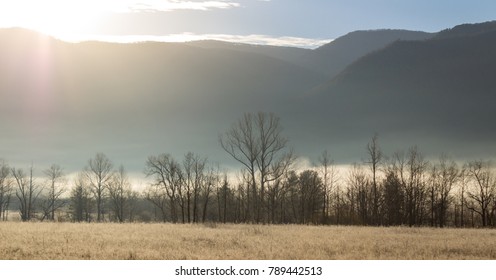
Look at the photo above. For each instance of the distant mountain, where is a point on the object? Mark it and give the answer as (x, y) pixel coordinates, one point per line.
(439, 93)
(167, 97)
(329, 59)
(463, 30)
(62, 102)
(332, 58)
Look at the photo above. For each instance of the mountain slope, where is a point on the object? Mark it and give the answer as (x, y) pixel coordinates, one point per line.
(332, 58)
(439, 93)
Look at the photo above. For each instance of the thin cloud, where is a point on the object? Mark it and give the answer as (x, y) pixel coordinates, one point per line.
(167, 6)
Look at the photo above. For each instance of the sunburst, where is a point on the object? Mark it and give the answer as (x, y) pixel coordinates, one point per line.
(53, 17)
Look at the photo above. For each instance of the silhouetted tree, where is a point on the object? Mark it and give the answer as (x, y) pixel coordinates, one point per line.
(157, 195)
(329, 178)
(375, 158)
(5, 190)
(99, 174)
(54, 190)
(167, 179)
(224, 199)
(194, 175)
(256, 142)
(358, 194)
(311, 196)
(119, 193)
(241, 142)
(211, 182)
(412, 171)
(444, 175)
(27, 192)
(81, 200)
(482, 188)
(393, 200)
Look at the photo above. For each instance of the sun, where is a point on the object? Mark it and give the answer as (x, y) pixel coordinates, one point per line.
(57, 18)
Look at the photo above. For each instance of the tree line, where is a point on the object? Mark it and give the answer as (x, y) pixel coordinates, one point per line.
(401, 189)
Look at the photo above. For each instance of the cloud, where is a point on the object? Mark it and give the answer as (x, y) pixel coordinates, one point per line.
(254, 39)
(172, 5)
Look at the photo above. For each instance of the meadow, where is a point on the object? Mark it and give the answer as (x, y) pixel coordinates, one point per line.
(47, 241)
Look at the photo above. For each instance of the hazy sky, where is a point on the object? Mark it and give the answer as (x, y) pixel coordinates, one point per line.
(278, 22)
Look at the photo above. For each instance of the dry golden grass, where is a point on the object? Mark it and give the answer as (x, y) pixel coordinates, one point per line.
(214, 241)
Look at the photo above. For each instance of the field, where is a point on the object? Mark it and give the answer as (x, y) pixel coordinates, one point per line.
(216, 241)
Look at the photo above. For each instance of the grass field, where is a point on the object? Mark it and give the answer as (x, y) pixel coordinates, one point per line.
(215, 241)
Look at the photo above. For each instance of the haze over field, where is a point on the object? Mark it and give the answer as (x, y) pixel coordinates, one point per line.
(62, 102)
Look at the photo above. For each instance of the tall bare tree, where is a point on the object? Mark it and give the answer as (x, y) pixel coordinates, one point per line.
(482, 189)
(241, 142)
(168, 178)
(464, 180)
(27, 192)
(413, 178)
(99, 174)
(358, 194)
(55, 189)
(444, 176)
(81, 199)
(411, 170)
(393, 200)
(374, 160)
(211, 182)
(5, 190)
(256, 142)
(311, 196)
(120, 193)
(272, 161)
(194, 175)
(329, 177)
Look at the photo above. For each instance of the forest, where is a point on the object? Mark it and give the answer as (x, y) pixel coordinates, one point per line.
(403, 188)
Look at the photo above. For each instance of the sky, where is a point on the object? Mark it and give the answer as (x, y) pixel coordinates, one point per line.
(308, 23)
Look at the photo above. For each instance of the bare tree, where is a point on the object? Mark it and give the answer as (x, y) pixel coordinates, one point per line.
(55, 189)
(194, 174)
(311, 196)
(157, 195)
(329, 177)
(257, 143)
(464, 179)
(444, 175)
(413, 179)
(120, 193)
(168, 177)
(482, 188)
(27, 192)
(358, 194)
(374, 160)
(99, 174)
(393, 199)
(224, 194)
(211, 182)
(241, 142)
(410, 170)
(81, 199)
(271, 162)
(5, 190)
